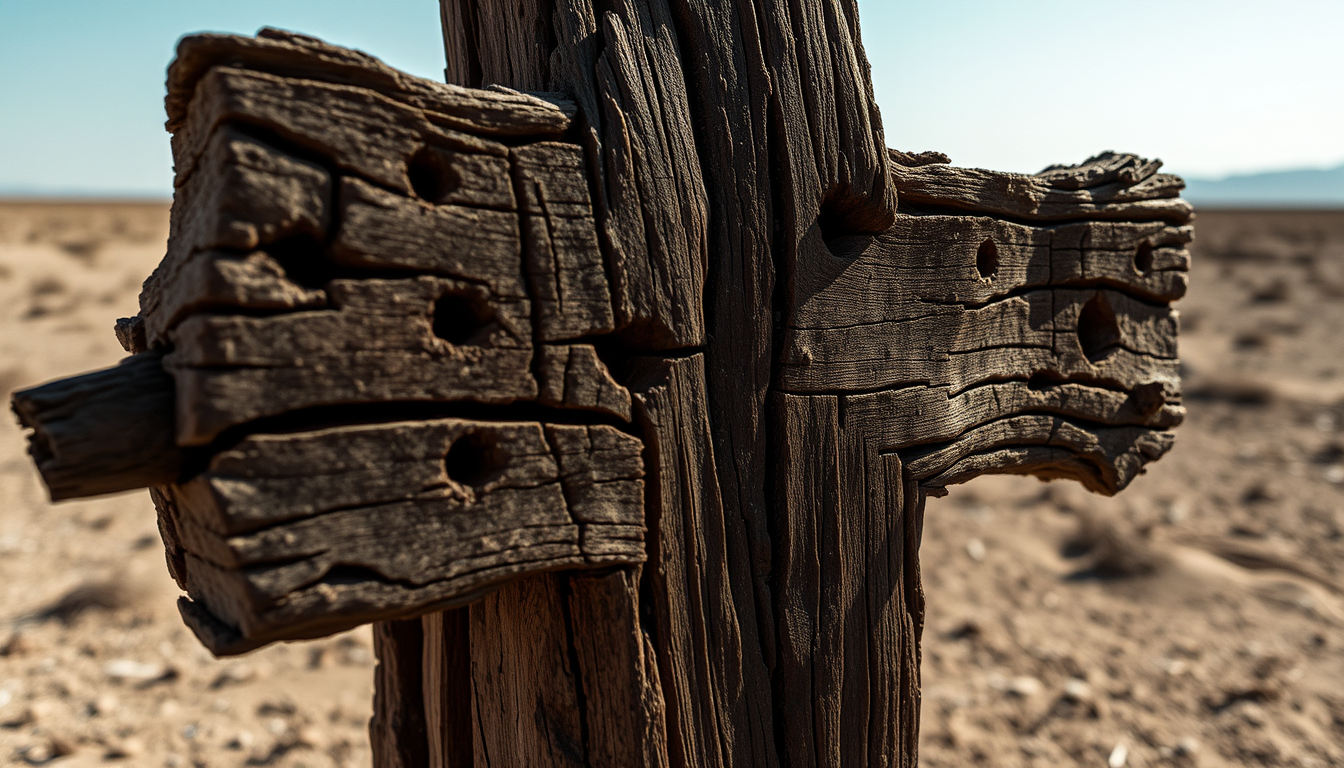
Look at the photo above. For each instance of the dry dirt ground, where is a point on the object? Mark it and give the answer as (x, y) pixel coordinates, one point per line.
(1195, 620)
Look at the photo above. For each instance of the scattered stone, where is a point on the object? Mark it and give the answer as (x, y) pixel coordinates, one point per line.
(234, 674)
(1077, 690)
(276, 707)
(242, 741)
(135, 671)
(125, 749)
(1119, 756)
(104, 705)
(51, 748)
(312, 737)
(1024, 686)
(975, 549)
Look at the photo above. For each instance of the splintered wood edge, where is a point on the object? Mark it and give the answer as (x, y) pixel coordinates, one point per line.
(498, 112)
(222, 639)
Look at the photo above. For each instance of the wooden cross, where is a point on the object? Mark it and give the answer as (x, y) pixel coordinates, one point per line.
(613, 399)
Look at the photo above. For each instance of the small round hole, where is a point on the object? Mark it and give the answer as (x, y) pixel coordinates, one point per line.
(474, 460)
(432, 175)
(987, 259)
(1098, 329)
(460, 320)
(1143, 258)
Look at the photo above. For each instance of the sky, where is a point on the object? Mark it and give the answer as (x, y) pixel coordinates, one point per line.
(1214, 87)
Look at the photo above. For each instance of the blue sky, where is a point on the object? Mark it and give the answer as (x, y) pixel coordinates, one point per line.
(1211, 87)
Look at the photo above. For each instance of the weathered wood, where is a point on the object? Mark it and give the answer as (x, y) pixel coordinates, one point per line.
(850, 607)
(1095, 189)
(446, 687)
(623, 708)
(574, 376)
(494, 113)
(398, 732)
(351, 245)
(400, 519)
(696, 634)
(564, 258)
(102, 432)
(425, 339)
(526, 699)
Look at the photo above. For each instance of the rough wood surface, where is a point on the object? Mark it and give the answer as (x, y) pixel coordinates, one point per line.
(446, 680)
(287, 535)
(398, 732)
(102, 432)
(1106, 187)
(704, 243)
(381, 341)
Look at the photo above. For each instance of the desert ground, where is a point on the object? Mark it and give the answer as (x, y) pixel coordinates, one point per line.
(1195, 620)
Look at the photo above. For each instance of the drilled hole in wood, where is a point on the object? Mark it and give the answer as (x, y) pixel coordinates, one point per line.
(1143, 258)
(1098, 328)
(303, 259)
(432, 175)
(461, 320)
(987, 259)
(474, 460)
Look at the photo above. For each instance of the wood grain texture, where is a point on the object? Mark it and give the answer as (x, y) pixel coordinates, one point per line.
(296, 534)
(102, 432)
(526, 700)
(381, 341)
(697, 635)
(398, 732)
(847, 584)
(623, 709)
(1106, 187)
(446, 688)
(563, 257)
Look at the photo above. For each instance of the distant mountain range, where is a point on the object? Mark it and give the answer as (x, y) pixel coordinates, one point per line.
(1277, 189)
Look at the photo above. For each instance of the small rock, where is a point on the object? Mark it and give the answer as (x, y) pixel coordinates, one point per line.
(1178, 512)
(234, 674)
(105, 704)
(1119, 756)
(1077, 690)
(1335, 474)
(1024, 686)
(51, 748)
(242, 741)
(975, 549)
(125, 749)
(277, 707)
(127, 669)
(1186, 747)
(312, 737)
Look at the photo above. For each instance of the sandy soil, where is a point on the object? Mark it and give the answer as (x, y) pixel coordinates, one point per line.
(95, 664)
(1195, 620)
